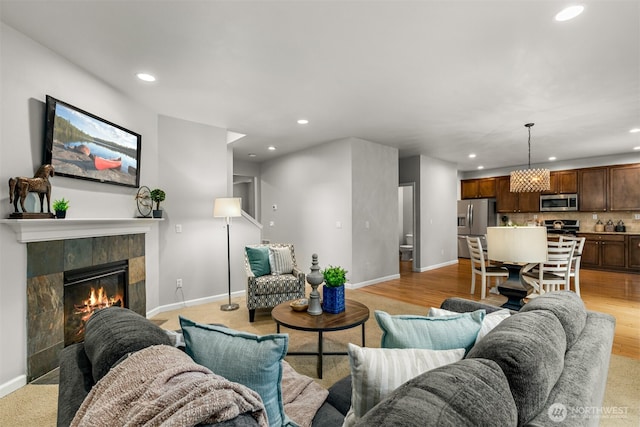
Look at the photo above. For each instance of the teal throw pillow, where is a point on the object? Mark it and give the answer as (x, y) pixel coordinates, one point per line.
(248, 359)
(435, 333)
(259, 260)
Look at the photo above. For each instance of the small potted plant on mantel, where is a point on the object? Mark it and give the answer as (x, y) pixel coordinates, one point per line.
(61, 206)
(333, 289)
(157, 195)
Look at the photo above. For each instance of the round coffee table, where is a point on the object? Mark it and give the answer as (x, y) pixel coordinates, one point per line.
(354, 314)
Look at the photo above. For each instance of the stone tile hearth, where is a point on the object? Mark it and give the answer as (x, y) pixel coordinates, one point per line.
(46, 264)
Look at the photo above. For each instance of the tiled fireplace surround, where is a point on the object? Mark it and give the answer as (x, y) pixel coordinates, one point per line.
(46, 263)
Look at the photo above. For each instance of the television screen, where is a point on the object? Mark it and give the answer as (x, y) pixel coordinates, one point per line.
(81, 145)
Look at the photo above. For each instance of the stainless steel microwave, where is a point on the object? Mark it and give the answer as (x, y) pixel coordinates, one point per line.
(558, 202)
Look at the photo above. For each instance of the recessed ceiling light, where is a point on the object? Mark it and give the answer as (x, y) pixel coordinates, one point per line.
(480, 167)
(472, 156)
(271, 148)
(303, 121)
(252, 154)
(636, 148)
(145, 77)
(552, 158)
(569, 13)
(634, 130)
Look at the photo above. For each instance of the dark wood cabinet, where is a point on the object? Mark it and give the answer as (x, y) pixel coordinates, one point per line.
(563, 182)
(506, 201)
(633, 252)
(480, 188)
(592, 189)
(624, 188)
(604, 251)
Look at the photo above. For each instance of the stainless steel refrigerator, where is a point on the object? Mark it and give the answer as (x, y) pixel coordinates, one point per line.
(474, 216)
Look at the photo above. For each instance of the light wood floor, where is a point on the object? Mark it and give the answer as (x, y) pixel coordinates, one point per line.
(615, 293)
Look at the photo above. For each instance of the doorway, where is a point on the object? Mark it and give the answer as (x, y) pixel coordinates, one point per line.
(407, 240)
(246, 188)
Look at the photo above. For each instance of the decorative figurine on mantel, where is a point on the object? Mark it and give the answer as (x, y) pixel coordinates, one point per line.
(315, 279)
(20, 187)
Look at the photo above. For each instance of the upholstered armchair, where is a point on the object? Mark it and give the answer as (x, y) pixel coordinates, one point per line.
(273, 276)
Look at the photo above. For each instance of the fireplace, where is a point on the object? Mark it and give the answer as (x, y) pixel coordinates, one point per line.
(56, 270)
(87, 290)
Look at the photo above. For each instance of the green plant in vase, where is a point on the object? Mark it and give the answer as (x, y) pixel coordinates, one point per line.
(333, 290)
(61, 206)
(157, 195)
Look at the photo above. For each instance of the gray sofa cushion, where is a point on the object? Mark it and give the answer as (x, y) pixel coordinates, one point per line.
(583, 381)
(567, 307)
(471, 392)
(530, 348)
(462, 305)
(113, 332)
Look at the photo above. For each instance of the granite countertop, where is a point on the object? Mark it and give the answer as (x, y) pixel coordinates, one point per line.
(609, 232)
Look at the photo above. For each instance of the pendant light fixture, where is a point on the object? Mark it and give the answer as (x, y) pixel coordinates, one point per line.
(530, 180)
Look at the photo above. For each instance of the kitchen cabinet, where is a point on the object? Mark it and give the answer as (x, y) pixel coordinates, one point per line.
(592, 189)
(624, 188)
(506, 201)
(633, 252)
(480, 188)
(563, 182)
(604, 251)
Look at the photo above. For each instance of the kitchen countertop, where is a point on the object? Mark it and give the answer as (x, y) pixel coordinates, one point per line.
(609, 232)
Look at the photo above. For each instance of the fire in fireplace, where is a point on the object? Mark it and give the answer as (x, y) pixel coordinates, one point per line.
(90, 289)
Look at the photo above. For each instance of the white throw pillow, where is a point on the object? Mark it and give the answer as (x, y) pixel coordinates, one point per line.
(491, 320)
(280, 260)
(376, 372)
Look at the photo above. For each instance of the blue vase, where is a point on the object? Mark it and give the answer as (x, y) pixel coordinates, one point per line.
(333, 299)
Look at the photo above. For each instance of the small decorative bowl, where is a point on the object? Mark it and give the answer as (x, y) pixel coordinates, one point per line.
(299, 305)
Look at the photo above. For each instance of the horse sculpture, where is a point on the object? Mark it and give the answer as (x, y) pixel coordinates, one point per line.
(20, 187)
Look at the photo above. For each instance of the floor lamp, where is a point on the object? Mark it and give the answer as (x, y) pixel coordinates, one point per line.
(228, 207)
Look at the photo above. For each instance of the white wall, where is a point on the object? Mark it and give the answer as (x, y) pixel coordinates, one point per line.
(28, 73)
(312, 191)
(435, 235)
(325, 196)
(193, 172)
(438, 211)
(374, 180)
(190, 161)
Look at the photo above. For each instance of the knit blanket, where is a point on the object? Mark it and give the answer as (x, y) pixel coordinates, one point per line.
(301, 395)
(161, 385)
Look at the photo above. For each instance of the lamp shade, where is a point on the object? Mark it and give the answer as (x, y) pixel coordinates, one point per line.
(517, 244)
(226, 207)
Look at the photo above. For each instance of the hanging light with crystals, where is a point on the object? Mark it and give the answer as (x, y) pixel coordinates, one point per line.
(530, 180)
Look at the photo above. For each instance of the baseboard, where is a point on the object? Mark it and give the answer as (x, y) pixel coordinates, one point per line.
(433, 267)
(12, 385)
(193, 302)
(371, 282)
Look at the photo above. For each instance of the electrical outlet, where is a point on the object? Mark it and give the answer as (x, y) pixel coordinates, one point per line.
(178, 283)
(636, 216)
(595, 216)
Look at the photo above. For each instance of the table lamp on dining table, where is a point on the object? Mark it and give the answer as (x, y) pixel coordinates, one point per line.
(516, 247)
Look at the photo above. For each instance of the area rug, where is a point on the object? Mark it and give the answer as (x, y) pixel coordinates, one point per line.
(36, 404)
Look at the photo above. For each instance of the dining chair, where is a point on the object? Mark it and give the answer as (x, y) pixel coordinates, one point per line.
(554, 273)
(482, 267)
(575, 260)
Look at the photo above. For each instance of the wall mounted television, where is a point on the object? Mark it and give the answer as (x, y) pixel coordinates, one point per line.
(81, 145)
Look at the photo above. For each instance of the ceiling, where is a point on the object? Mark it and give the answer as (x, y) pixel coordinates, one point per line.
(438, 78)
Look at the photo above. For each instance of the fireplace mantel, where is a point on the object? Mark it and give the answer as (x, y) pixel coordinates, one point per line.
(41, 230)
